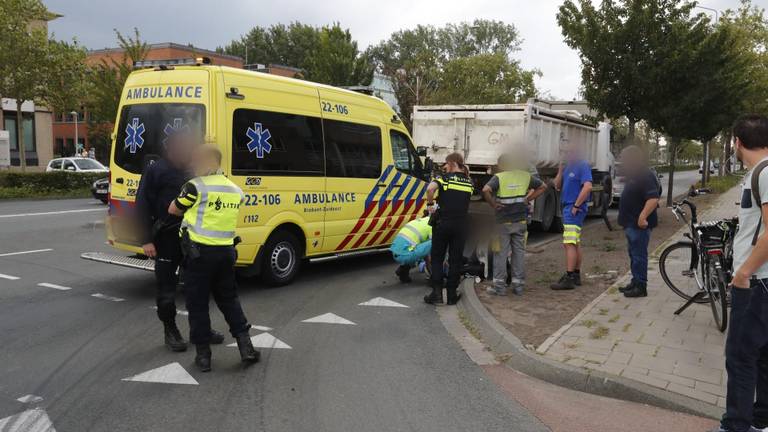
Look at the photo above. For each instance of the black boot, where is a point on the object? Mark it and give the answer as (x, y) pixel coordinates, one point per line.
(453, 297)
(216, 338)
(203, 357)
(577, 278)
(639, 290)
(627, 287)
(565, 283)
(435, 297)
(248, 353)
(402, 272)
(173, 339)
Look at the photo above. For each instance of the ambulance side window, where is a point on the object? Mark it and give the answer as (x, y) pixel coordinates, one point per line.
(276, 143)
(405, 157)
(352, 150)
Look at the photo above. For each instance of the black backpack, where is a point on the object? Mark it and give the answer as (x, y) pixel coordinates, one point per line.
(755, 186)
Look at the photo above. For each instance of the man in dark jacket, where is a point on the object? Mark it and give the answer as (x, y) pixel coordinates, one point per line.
(160, 185)
(637, 215)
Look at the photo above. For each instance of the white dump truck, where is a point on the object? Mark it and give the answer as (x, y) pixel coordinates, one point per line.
(542, 129)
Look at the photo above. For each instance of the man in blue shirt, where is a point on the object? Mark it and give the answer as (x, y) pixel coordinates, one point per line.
(574, 181)
(637, 214)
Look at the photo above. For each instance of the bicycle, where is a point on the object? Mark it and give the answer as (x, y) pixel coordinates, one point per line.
(699, 268)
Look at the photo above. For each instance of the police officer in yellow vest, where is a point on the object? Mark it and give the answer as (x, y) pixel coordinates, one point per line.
(411, 245)
(508, 193)
(210, 205)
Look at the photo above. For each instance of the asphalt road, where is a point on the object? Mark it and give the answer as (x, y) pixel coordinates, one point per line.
(396, 369)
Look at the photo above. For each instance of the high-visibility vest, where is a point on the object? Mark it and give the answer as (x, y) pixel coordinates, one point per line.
(416, 231)
(513, 186)
(213, 217)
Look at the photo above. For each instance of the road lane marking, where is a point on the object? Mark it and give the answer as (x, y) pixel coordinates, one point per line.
(261, 328)
(328, 318)
(178, 311)
(50, 213)
(54, 286)
(171, 373)
(25, 252)
(266, 340)
(9, 277)
(29, 399)
(381, 301)
(34, 420)
(106, 297)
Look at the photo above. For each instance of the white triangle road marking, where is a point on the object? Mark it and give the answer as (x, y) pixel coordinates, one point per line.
(54, 286)
(381, 301)
(178, 311)
(266, 340)
(329, 318)
(171, 373)
(261, 328)
(33, 420)
(106, 297)
(29, 399)
(9, 277)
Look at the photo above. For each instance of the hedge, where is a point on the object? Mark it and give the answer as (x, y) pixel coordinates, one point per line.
(665, 168)
(49, 181)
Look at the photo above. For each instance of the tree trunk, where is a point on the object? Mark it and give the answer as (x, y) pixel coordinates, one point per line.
(20, 136)
(725, 164)
(631, 132)
(673, 144)
(705, 165)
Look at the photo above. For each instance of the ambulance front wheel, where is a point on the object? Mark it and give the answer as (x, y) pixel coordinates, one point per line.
(282, 258)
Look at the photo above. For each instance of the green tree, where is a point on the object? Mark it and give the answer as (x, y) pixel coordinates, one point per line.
(33, 67)
(430, 64)
(337, 61)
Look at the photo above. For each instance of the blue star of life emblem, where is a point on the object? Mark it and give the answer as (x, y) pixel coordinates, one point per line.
(259, 140)
(171, 129)
(134, 139)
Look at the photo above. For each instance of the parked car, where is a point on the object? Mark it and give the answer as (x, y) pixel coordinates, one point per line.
(100, 189)
(76, 164)
(619, 180)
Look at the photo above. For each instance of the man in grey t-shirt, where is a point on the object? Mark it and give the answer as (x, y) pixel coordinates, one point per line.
(509, 192)
(746, 349)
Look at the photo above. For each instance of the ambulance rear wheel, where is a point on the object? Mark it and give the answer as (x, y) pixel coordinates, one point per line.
(282, 259)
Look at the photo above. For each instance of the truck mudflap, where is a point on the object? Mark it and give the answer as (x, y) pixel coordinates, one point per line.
(120, 260)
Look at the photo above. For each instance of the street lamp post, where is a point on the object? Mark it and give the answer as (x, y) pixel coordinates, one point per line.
(77, 141)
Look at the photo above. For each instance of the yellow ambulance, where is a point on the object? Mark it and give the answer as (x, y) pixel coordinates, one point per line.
(326, 172)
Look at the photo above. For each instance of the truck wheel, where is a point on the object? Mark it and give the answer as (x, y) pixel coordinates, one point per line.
(282, 259)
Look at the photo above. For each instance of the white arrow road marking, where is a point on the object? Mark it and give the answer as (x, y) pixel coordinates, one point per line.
(9, 277)
(30, 398)
(50, 213)
(266, 340)
(25, 252)
(178, 311)
(171, 373)
(34, 420)
(261, 328)
(381, 301)
(54, 286)
(329, 318)
(106, 297)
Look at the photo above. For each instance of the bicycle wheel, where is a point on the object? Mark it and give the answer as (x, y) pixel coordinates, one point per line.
(715, 280)
(678, 268)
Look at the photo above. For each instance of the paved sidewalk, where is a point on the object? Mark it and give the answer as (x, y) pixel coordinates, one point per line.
(641, 339)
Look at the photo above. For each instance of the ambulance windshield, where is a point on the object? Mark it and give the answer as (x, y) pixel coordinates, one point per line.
(143, 129)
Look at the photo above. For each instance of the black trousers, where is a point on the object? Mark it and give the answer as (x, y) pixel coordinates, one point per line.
(746, 358)
(448, 236)
(166, 263)
(212, 274)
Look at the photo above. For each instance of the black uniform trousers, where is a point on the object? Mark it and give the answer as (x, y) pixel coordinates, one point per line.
(212, 274)
(449, 235)
(167, 263)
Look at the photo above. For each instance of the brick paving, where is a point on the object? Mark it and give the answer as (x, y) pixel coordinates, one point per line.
(642, 340)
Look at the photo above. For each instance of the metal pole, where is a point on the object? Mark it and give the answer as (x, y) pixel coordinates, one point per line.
(717, 12)
(77, 140)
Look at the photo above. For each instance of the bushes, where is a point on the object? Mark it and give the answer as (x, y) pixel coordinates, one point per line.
(665, 168)
(46, 184)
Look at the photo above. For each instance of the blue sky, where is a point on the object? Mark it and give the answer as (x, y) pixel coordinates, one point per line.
(208, 24)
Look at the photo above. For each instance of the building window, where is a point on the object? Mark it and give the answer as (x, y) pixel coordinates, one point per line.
(59, 148)
(29, 130)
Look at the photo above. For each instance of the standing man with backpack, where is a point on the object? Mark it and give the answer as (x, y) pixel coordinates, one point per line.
(746, 349)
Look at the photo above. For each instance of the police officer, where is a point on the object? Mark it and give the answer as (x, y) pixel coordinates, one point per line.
(412, 244)
(160, 184)
(449, 226)
(508, 193)
(210, 206)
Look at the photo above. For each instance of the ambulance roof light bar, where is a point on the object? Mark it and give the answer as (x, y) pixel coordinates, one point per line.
(165, 64)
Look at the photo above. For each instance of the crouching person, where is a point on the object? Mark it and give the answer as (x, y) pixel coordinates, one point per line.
(412, 244)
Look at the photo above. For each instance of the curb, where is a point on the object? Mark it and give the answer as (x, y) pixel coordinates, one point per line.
(516, 356)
